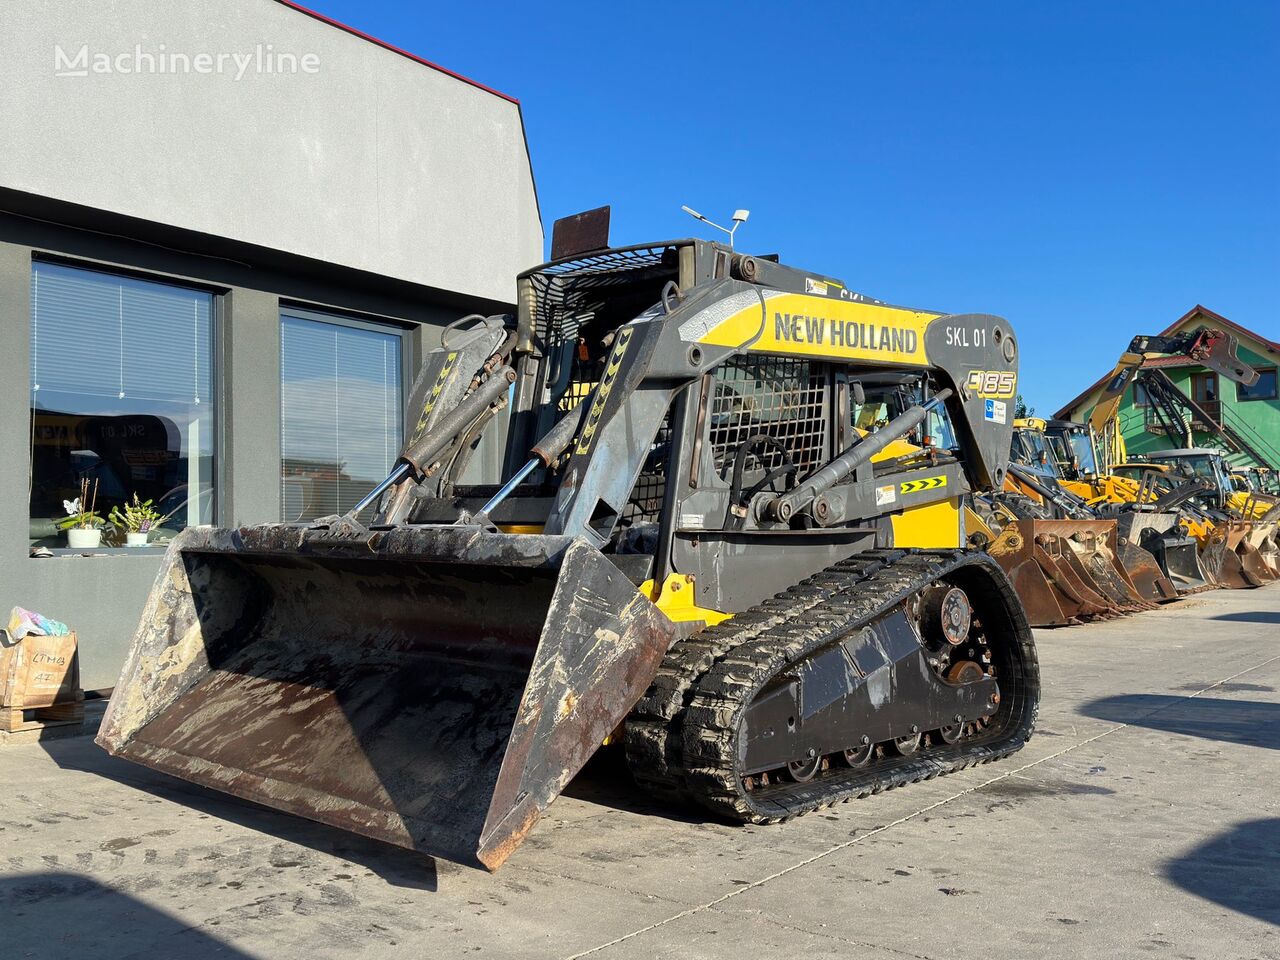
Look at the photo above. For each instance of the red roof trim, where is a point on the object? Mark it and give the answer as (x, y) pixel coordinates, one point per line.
(394, 49)
(1218, 318)
(1065, 411)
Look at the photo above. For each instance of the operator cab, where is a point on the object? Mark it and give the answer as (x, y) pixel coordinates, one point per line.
(1199, 463)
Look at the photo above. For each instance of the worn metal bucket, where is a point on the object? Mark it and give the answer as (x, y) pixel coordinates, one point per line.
(1065, 571)
(1144, 571)
(432, 687)
(1262, 538)
(1253, 564)
(1176, 553)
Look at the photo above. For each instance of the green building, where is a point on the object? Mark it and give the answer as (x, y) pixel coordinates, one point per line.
(1243, 422)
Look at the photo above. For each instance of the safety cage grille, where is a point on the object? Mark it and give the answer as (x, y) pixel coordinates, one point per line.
(784, 399)
(567, 295)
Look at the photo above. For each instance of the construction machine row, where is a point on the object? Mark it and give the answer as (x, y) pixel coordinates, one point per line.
(760, 532)
(1086, 533)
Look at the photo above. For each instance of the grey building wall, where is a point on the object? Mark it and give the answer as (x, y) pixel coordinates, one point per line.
(371, 160)
(102, 596)
(369, 184)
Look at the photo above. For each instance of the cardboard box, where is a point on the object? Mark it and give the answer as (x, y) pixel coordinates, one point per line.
(39, 672)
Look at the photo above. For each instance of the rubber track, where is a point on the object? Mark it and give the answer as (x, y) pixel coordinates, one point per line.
(654, 727)
(681, 737)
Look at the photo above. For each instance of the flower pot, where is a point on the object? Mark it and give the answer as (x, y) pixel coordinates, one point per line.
(135, 538)
(84, 538)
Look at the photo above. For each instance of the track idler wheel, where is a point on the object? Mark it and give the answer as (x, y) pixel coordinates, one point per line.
(802, 771)
(945, 611)
(860, 755)
(906, 746)
(952, 732)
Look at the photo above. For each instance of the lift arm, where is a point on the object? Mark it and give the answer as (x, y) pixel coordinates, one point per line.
(1215, 349)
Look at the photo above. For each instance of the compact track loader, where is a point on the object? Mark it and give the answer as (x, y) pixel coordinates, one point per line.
(729, 533)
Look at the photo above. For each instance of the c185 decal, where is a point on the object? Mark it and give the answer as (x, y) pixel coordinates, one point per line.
(989, 384)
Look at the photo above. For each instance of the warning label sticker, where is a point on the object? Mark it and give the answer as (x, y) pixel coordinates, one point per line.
(885, 495)
(929, 483)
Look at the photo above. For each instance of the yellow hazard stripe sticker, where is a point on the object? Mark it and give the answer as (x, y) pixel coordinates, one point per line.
(928, 483)
(605, 387)
(449, 361)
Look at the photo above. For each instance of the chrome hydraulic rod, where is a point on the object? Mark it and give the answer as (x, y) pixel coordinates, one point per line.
(395, 477)
(784, 506)
(511, 484)
(418, 455)
(545, 452)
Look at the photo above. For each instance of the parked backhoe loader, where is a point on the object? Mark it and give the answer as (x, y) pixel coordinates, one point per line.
(1220, 557)
(1067, 562)
(729, 532)
(1151, 519)
(1247, 520)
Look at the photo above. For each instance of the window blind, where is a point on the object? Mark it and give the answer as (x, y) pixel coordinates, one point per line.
(341, 409)
(103, 335)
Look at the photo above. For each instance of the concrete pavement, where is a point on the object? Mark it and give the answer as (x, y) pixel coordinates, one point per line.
(1142, 819)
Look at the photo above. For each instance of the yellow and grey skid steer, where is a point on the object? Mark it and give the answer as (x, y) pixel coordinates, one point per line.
(730, 534)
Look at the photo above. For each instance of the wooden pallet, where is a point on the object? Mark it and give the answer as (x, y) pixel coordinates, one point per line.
(18, 719)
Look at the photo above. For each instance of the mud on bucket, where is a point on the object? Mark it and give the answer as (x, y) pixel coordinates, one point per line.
(432, 687)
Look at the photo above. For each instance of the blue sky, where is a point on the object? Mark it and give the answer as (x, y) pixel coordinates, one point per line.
(1088, 170)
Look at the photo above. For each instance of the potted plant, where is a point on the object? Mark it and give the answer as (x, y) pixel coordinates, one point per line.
(83, 525)
(137, 520)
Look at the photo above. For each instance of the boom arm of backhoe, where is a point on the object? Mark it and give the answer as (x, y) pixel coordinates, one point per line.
(1215, 349)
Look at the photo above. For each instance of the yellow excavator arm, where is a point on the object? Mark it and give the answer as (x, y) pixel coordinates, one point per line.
(1215, 349)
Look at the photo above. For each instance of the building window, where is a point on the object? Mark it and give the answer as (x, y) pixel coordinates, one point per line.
(341, 400)
(1140, 397)
(1262, 389)
(121, 395)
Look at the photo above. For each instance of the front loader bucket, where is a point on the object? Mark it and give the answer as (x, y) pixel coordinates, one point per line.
(1262, 538)
(432, 687)
(1092, 547)
(1253, 564)
(1144, 571)
(1052, 583)
(1175, 553)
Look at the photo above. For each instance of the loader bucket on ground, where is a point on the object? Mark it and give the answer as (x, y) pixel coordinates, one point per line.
(1175, 553)
(1053, 583)
(1092, 547)
(1253, 565)
(1145, 573)
(1221, 562)
(432, 687)
(1262, 537)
